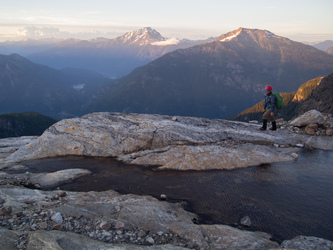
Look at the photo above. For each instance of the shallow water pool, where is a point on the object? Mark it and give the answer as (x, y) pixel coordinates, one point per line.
(283, 199)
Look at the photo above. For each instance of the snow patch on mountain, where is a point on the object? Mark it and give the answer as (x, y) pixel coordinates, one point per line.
(171, 41)
(142, 37)
(230, 37)
(269, 34)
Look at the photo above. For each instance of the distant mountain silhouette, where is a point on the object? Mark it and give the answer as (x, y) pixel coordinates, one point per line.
(24, 124)
(26, 86)
(324, 45)
(217, 79)
(329, 50)
(27, 46)
(112, 57)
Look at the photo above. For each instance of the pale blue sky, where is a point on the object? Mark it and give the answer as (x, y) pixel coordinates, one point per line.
(193, 19)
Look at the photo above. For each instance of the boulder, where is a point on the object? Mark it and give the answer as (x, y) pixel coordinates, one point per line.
(310, 117)
(246, 221)
(329, 132)
(57, 218)
(46, 180)
(226, 237)
(309, 131)
(183, 143)
(280, 120)
(307, 243)
(8, 238)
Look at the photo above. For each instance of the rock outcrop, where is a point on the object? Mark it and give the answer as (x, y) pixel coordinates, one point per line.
(107, 220)
(133, 222)
(84, 213)
(310, 117)
(320, 98)
(312, 123)
(9, 145)
(168, 142)
(41, 180)
(47, 180)
(67, 240)
(8, 238)
(307, 243)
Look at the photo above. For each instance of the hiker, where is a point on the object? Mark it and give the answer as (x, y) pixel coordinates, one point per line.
(269, 107)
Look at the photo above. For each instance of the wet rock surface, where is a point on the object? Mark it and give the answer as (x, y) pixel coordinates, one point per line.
(307, 243)
(41, 180)
(34, 219)
(114, 219)
(10, 145)
(185, 143)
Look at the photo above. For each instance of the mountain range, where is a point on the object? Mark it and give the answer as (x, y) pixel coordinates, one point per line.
(111, 57)
(217, 79)
(323, 45)
(213, 79)
(27, 86)
(326, 46)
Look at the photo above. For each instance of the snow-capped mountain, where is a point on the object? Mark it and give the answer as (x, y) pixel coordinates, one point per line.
(251, 32)
(148, 37)
(142, 37)
(111, 57)
(218, 79)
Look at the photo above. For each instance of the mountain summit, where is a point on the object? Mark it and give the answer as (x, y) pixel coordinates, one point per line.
(253, 33)
(143, 36)
(111, 57)
(218, 79)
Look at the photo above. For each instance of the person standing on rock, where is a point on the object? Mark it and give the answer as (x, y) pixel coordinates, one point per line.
(269, 107)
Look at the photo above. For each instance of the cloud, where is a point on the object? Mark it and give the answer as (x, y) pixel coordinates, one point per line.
(35, 32)
(171, 41)
(77, 32)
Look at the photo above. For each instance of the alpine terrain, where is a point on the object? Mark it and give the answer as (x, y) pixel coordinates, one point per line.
(27, 86)
(314, 94)
(217, 79)
(111, 57)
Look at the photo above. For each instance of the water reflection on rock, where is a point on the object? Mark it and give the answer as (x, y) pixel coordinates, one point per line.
(285, 200)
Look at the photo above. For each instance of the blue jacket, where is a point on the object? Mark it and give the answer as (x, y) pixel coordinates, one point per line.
(270, 102)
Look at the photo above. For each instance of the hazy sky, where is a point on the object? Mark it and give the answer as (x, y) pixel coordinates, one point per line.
(304, 20)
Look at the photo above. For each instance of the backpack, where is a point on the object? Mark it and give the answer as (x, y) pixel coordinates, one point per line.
(279, 101)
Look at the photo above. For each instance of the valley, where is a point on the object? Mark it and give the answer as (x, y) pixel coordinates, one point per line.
(216, 78)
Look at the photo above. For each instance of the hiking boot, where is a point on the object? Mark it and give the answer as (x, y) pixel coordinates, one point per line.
(273, 126)
(264, 124)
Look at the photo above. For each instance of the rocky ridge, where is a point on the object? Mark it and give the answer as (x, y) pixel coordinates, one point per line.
(35, 219)
(183, 143)
(312, 123)
(203, 80)
(320, 98)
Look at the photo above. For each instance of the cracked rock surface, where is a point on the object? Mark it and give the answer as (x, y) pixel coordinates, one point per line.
(35, 219)
(184, 143)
